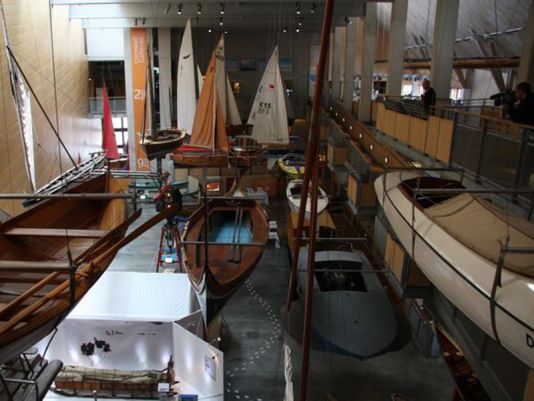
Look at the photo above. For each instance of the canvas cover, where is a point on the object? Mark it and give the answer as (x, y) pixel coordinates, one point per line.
(483, 227)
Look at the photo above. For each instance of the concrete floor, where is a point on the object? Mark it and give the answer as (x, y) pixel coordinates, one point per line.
(256, 327)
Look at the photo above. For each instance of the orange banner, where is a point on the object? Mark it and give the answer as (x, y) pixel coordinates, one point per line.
(138, 44)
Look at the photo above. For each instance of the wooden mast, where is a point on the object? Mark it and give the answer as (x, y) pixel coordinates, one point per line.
(310, 169)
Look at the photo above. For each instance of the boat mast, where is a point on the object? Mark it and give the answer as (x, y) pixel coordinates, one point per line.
(310, 169)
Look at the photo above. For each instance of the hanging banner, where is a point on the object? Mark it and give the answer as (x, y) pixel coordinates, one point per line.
(138, 44)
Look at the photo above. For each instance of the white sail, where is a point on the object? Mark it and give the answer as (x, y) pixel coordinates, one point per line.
(186, 99)
(220, 75)
(22, 101)
(232, 112)
(200, 79)
(268, 114)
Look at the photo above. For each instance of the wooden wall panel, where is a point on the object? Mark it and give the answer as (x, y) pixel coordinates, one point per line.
(418, 133)
(28, 24)
(432, 134)
(380, 109)
(402, 127)
(352, 187)
(389, 122)
(443, 151)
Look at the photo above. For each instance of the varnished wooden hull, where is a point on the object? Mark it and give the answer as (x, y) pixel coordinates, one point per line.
(163, 143)
(191, 159)
(244, 151)
(223, 276)
(34, 301)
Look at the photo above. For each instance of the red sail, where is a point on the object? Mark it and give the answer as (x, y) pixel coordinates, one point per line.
(109, 144)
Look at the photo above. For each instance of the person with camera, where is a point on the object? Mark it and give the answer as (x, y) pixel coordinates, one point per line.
(521, 109)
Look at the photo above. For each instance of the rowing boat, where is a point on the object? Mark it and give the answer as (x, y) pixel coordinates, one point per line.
(52, 254)
(236, 237)
(293, 193)
(459, 241)
(161, 142)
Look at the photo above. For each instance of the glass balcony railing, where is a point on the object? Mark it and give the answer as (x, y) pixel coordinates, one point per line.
(117, 105)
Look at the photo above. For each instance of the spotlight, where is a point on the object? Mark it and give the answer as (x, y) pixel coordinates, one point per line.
(180, 8)
(166, 11)
(225, 32)
(209, 30)
(297, 30)
(297, 5)
(221, 23)
(222, 8)
(299, 23)
(348, 21)
(199, 8)
(284, 29)
(314, 8)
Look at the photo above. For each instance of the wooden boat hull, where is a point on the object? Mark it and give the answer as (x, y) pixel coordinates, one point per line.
(244, 151)
(191, 159)
(33, 301)
(462, 275)
(228, 265)
(294, 199)
(164, 142)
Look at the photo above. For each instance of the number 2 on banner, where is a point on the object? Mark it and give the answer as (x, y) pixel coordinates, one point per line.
(139, 94)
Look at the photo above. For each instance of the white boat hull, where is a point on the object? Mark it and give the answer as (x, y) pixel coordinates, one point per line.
(462, 275)
(294, 200)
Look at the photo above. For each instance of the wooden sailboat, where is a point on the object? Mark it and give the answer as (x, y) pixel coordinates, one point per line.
(236, 237)
(158, 142)
(208, 146)
(459, 241)
(293, 193)
(51, 255)
(268, 115)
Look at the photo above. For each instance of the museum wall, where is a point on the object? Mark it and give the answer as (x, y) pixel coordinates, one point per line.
(28, 25)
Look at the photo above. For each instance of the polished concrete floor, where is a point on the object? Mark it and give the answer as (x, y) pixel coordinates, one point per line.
(255, 327)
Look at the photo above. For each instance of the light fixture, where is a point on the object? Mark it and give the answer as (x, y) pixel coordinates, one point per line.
(348, 21)
(314, 7)
(371, 147)
(166, 10)
(386, 160)
(284, 29)
(297, 30)
(199, 8)
(297, 5)
(180, 8)
(209, 30)
(222, 8)
(221, 23)
(350, 127)
(225, 32)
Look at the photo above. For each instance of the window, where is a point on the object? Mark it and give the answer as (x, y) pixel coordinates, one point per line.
(120, 126)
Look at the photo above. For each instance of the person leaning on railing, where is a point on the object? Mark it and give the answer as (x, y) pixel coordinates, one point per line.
(522, 110)
(429, 96)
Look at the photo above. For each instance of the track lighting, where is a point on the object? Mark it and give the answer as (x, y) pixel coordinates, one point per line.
(221, 23)
(284, 29)
(314, 8)
(297, 5)
(209, 30)
(180, 9)
(225, 32)
(297, 30)
(199, 8)
(222, 8)
(166, 10)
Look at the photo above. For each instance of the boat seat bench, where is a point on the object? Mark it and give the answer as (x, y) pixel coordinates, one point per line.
(55, 232)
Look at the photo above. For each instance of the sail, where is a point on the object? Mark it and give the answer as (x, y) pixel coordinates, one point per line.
(220, 74)
(200, 79)
(232, 113)
(186, 98)
(208, 126)
(109, 143)
(22, 100)
(268, 115)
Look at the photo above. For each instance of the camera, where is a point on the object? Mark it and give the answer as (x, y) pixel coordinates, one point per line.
(505, 98)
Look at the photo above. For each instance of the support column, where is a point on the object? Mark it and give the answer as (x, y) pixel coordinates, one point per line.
(348, 77)
(165, 77)
(129, 98)
(526, 65)
(340, 33)
(368, 62)
(443, 46)
(397, 35)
